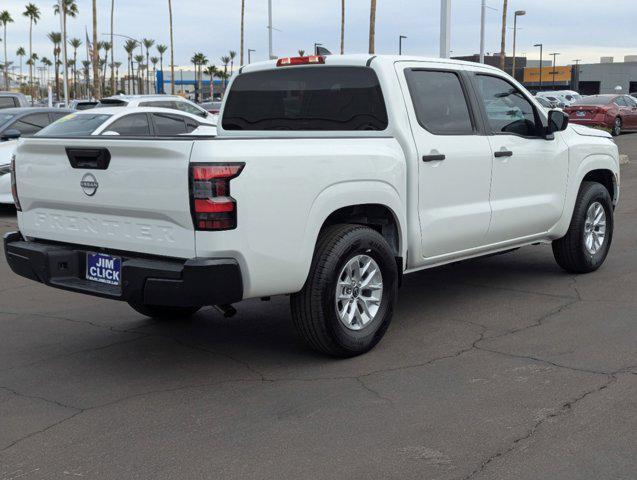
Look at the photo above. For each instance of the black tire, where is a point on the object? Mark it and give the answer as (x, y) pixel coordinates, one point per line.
(163, 312)
(617, 127)
(314, 309)
(570, 251)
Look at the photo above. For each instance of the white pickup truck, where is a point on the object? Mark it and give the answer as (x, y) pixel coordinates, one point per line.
(329, 179)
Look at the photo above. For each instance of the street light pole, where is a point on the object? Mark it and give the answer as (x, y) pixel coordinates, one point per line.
(541, 47)
(554, 57)
(445, 28)
(270, 30)
(575, 81)
(400, 44)
(64, 59)
(250, 51)
(483, 15)
(518, 13)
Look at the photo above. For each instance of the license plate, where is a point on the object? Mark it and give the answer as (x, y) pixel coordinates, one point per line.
(103, 268)
(581, 114)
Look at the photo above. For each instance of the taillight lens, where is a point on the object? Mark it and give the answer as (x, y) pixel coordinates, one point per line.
(291, 61)
(212, 206)
(14, 187)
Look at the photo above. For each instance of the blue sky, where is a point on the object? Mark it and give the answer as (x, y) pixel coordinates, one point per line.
(575, 28)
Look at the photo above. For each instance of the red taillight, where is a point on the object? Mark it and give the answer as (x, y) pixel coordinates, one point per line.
(14, 186)
(291, 61)
(212, 206)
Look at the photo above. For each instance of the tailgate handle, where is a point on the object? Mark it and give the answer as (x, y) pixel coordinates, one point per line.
(89, 158)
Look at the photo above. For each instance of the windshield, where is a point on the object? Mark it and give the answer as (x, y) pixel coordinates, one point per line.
(74, 125)
(594, 101)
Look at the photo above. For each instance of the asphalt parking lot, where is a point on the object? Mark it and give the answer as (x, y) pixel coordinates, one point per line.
(499, 368)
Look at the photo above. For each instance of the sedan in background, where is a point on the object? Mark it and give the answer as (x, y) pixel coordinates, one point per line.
(130, 122)
(14, 123)
(617, 113)
(212, 107)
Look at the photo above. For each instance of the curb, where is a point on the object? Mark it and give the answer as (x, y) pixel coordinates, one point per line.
(624, 159)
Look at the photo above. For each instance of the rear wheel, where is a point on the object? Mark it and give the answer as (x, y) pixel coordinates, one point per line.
(585, 246)
(163, 312)
(617, 127)
(348, 299)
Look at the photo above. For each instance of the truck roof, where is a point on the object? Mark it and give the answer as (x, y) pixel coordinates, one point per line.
(366, 60)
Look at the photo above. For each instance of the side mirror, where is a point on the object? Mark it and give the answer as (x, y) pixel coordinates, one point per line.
(10, 134)
(558, 121)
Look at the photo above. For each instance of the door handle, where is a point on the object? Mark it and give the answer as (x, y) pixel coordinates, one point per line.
(433, 158)
(503, 153)
(89, 158)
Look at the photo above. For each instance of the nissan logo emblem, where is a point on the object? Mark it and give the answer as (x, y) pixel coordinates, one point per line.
(89, 184)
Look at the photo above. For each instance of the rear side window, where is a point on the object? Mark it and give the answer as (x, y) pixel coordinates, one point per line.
(132, 125)
(8, 102)
(440, 103)
(30, 124)
(160, 104)
(306, 98)
(169, 124)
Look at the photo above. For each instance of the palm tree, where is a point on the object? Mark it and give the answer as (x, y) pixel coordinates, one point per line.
(116, 65)
(87, 76)
(225, 60)
(5, 17)
(107, 48)
(20, 52)
(342, 27)
(211, 70)
(154, 61)
(32, 12)
(139, 59)
(301, 53)
(130, 47)
(31, 63)
(70, 66)
(232, 54)
(96, 59)
(199, 60)
(172, 49)
(243, 11)
(372, 26)
(112, 49)
(56, 39)
(504, 34)
(47, 64)
(147, 44)
(75, 43)
(161, 49)
(69, 10)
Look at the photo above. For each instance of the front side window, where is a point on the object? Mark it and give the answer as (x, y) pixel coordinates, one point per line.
(160, 104)
(440, 103)
(74, 125)
(306, 99)
(507, 109)
(135, 125)
(619, 101)
(31, 124)
(189, 108)
(631, 102)
(8, 102)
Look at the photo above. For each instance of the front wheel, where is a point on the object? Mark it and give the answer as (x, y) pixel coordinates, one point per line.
(617, 127)
(586, 244)
(347, 302)
(163, 312)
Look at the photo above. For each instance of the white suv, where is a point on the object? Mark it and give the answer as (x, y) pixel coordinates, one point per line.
(174, 102)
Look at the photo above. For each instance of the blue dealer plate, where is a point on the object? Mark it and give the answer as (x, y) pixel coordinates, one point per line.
(103, 268)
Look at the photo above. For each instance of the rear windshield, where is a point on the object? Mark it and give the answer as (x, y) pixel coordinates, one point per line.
(74, 125)
(594, 101)
(306, 98)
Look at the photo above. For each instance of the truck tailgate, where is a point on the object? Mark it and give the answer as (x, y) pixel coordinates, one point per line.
(138, 203)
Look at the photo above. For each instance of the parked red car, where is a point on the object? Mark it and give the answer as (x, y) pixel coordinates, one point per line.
(615, 112)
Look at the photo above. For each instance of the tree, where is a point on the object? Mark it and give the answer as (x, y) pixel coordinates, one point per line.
(139, 79)
(20, 52)
(75, 43)
(211, 71)
(130, 47)
(172, 49)
(70, 9)
(301, 53)
(504, 34)
(96, 59)
(342, 27)
(372, 26)
(107, 48)
(32, 12)
(117, 65)
(5, 17)
(243, 12)
(199, 60)
(232, 54)
(154, 61)
(113, 86)
(147, 44)
(225, 60)
(56, 39)
(161, 49)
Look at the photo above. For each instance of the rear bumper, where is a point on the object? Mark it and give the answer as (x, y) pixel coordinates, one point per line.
(147, 280)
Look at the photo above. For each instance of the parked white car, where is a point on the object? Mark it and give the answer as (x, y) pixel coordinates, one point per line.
(174, 102)
(330, 179)
(130, 122)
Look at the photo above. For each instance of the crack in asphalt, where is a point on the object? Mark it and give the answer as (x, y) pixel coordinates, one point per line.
(565, 408)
